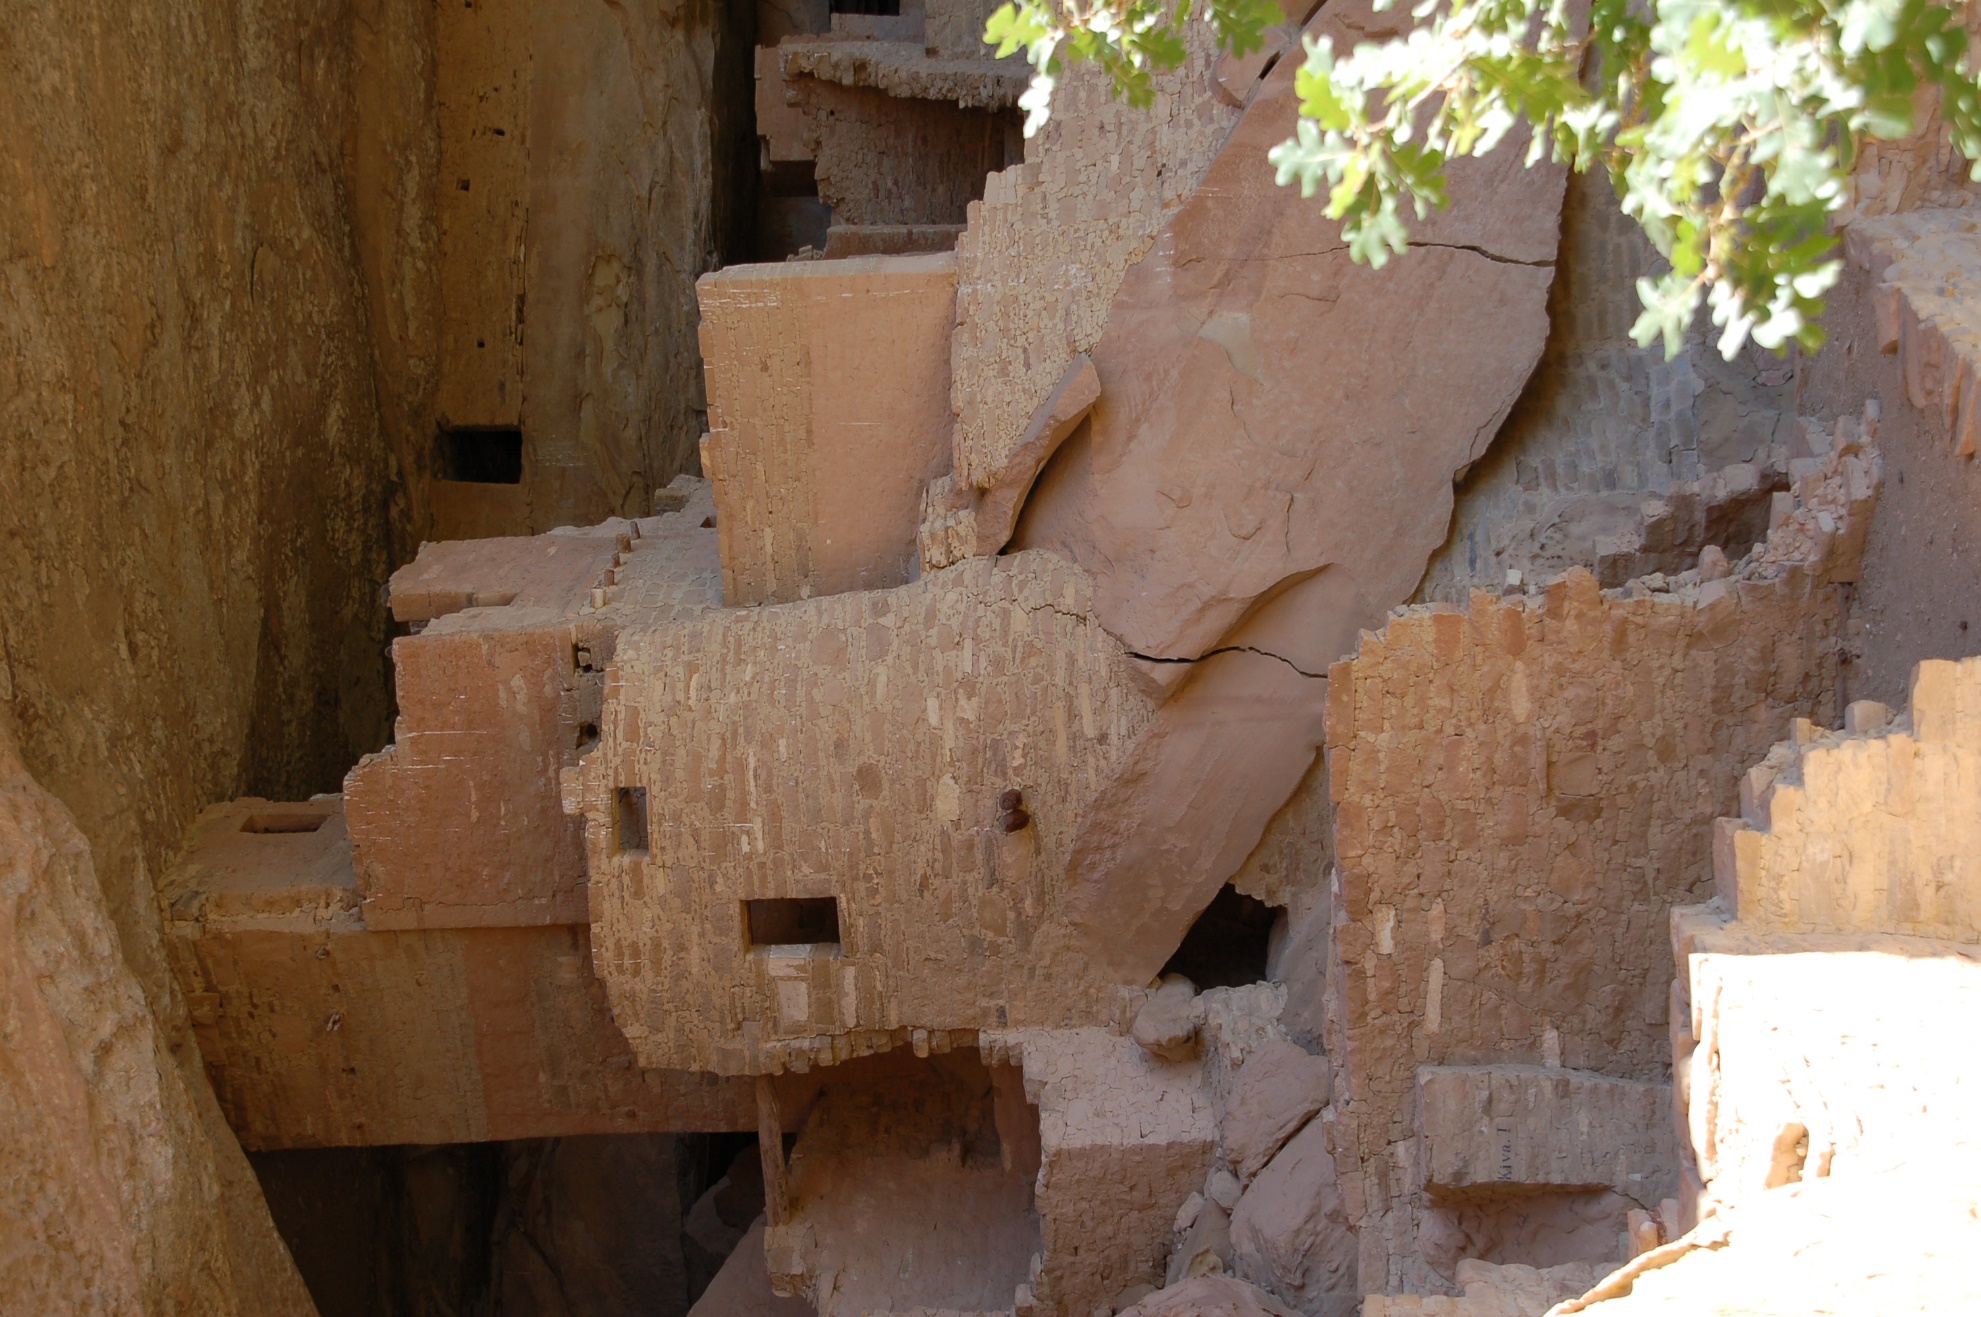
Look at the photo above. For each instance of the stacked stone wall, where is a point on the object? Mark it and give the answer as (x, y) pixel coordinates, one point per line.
(1523, 789)
(857, 747)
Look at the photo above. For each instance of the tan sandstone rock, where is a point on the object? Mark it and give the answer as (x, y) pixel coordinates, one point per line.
(1210, 1296)
(1270, 408)
(1279, 1087)
(1269, 466)
(121, 1191)
(1290, 1232)
(1163, 1026)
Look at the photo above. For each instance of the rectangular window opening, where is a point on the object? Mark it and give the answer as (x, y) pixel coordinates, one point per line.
(630, 832)
(792, 921)
(284, 821)
(885, 8)
(480, 454)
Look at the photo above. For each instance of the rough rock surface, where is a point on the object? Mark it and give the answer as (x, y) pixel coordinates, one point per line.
(1836, 1248)
(958, 521)
(1050, 240)
(1239, 488)
(1163, 1026)
(1269, 408)
(1280, 1086)
(1898, 321)
(120, 1188)
(1291, 1230)
(582, 180)
(1210, 1296)
(1188, 805)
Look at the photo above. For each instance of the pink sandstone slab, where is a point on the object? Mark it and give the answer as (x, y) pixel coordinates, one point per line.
(1268, 407)
(1268, 468)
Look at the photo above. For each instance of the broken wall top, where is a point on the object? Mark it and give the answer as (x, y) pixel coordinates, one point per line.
(458, 821)
(1872, 829)
(1523, 789)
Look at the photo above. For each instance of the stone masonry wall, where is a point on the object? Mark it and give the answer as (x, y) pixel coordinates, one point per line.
(1523, 789)
(1603, 424)
(883, 159)
(855, 747)
(828, 384)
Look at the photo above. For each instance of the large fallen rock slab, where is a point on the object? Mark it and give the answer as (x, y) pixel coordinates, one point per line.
(1277, 1090)
(1269, 466)
(1269, 408)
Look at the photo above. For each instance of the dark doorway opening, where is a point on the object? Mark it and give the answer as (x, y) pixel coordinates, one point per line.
(480, 454)
(1229, 944)
(793, 922)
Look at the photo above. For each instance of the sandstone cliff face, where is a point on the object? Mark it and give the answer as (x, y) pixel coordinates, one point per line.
(121, 1190)
(192, 461)
(191, 468)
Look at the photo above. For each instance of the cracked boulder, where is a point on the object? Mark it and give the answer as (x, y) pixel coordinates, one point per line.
(1274, 444)
(1290, 1232)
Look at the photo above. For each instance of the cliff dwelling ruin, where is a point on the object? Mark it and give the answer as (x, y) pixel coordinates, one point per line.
(650, 665)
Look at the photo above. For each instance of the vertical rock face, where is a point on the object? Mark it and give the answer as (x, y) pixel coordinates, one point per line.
(113, 1158)
(584, 164)
(189, 484)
